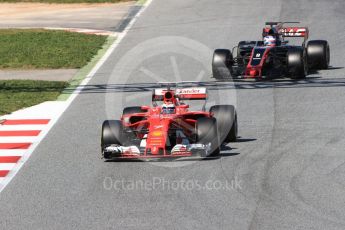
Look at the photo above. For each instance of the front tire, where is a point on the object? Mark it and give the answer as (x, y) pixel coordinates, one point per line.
(226, 118)
(222, 64)
(206, 130)
(112, 134)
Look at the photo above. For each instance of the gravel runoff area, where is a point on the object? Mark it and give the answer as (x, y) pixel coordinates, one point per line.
(102, 16)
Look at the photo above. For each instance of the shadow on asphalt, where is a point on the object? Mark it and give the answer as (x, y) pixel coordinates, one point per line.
(222, 154)
(225, 151)
(245, 140)
(239, 84)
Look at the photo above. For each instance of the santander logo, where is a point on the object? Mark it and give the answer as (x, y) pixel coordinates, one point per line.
(190, 91)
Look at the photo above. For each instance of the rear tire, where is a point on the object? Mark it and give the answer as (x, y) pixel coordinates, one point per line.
(206, 129)
(222, 64)
(226, 118)
(297, 63)
(245, 48)
(318, 54)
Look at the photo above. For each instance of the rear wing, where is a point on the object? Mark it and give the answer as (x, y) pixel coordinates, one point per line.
(277, 28)
(287, 32)
(193, 93)
(278, 23)
(295, 32)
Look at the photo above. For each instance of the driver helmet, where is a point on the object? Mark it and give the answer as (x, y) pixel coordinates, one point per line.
(270, 41)
(168, 108)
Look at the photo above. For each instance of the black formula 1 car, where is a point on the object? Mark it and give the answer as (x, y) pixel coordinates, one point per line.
(254, 59)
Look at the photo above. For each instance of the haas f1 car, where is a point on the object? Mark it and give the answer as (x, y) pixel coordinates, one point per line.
(168, 128)
(272, 56)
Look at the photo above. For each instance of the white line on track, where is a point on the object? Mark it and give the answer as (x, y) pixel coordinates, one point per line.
(64, 105)
(107, 54)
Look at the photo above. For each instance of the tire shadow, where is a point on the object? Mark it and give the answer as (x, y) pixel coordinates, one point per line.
(225, 151)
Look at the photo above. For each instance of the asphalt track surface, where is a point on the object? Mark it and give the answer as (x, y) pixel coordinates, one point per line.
(289, 164)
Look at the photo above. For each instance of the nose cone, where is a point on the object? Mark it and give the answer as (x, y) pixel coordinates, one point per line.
(253, 72)
(154, 150)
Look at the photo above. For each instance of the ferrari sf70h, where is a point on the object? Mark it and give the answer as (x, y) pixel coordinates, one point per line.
(273, 55)
(169, 128)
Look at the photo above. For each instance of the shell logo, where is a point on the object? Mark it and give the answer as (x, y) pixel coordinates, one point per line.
(157, 133)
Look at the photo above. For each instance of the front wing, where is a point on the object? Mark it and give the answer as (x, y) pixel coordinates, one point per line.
(133, 152)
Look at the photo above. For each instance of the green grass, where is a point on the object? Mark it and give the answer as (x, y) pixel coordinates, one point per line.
(46, 49)
(18, 94)
(83, 72)
(141, 2)
(66, 1)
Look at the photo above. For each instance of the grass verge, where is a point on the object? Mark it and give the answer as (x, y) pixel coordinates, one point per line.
(18, 94)
(46, 49)
(141, 2)
(83, 72)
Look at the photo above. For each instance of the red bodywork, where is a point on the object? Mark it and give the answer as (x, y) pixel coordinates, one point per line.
(154, 126)
(255, 71)
(280, 32)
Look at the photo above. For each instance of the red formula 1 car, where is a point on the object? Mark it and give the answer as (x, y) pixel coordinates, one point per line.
(168, 128)
(272, 56)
